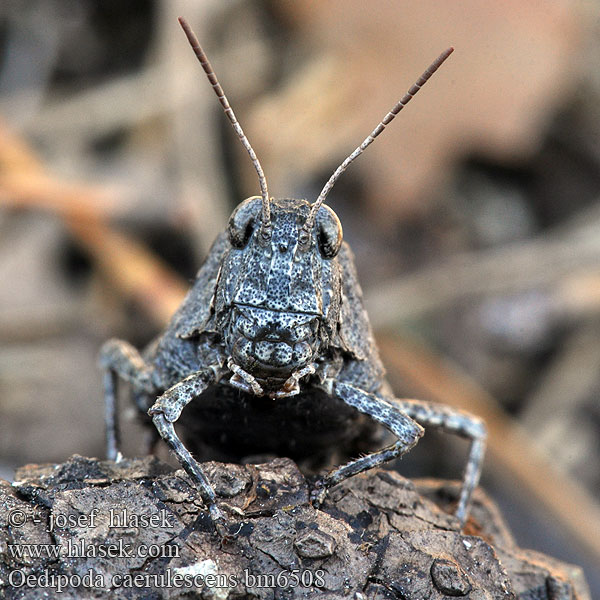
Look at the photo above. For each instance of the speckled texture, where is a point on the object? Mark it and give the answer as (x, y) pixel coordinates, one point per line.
(280, 318)
(376, 537)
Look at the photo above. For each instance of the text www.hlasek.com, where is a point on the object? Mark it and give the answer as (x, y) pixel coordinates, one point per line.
(82, 549)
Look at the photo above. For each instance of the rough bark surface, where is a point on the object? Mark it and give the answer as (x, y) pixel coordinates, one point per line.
(377, 536)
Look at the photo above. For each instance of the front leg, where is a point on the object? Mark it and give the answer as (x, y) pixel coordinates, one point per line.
(166, 410)
(403, 427)
(121, 359)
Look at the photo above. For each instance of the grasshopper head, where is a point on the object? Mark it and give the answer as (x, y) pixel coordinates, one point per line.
(279, 294)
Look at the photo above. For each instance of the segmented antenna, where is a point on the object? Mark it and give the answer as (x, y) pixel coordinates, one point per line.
(435, 65)
(266, 209)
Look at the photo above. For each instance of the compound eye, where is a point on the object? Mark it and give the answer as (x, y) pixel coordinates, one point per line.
(329, 232)
(243, 220)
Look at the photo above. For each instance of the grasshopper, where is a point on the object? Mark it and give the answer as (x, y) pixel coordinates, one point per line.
(273, 344)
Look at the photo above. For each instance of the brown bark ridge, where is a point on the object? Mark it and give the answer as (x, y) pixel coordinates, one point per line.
(138, 529)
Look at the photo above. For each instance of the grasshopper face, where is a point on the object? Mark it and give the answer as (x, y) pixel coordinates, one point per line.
(278, 296)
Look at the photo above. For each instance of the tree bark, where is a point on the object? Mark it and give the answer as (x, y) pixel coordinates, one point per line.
(138, 529)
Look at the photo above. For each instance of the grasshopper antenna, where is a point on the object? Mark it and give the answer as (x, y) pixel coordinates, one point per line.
(212, 78)
(435, 65)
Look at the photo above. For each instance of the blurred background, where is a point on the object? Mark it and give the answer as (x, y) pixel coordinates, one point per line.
(475, 217)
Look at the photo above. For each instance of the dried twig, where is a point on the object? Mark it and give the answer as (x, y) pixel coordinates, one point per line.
(137, 273)
(564, 263)
(123, 102)
(559, 404)
(128, 266)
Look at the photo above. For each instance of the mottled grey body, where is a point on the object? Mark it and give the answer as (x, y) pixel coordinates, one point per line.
(273, 345)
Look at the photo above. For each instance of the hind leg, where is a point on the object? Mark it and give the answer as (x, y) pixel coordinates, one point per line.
(120, 360)
(459, 423)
